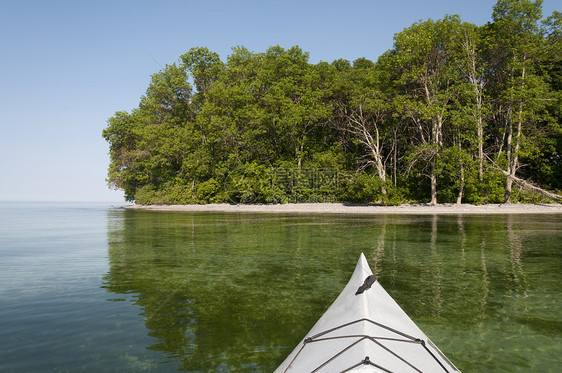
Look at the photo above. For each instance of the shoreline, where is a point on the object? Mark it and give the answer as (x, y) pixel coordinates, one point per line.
(350, 209)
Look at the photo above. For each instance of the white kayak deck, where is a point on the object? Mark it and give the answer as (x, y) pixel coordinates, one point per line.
(367, 332)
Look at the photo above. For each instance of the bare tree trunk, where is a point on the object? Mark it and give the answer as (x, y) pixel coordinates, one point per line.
(433, 178)
(437, 139)
(508, 150)
(394, 157)
(513, 148)
(477, 83)
(508, 188)
(461, 188)
(480, 140)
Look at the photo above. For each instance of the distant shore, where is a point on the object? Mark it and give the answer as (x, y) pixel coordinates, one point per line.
(339, 208)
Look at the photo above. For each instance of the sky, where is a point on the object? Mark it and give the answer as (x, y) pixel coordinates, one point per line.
(68, 66)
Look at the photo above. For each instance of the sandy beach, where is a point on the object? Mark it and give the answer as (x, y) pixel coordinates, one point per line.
(339, 208)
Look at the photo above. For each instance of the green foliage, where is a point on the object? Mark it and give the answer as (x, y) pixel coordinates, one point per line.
(362, 188)
(491, 189)
(168, 194)
(445, 115)
(247, 183)
(209, 191)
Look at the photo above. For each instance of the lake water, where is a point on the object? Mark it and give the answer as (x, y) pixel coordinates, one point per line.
(90, 288)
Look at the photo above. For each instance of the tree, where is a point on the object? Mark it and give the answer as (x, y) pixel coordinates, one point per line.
(474, 70)
(452, 109)
(367, 116)
(149, 145)
(204, 67)
(518, 45)
(294, 100)
(426, 56)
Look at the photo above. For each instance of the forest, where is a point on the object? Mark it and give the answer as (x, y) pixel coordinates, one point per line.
(453, 113)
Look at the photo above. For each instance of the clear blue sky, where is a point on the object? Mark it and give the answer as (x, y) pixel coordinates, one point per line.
(67, 66)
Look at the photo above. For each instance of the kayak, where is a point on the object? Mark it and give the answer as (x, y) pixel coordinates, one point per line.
(365, 330)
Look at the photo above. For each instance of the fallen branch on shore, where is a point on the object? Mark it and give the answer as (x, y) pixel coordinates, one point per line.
(527, 185)
(532, 187)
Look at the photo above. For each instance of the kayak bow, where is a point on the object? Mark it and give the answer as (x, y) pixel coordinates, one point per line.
(365, 330)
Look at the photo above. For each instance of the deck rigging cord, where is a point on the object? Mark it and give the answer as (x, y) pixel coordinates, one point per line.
(357, 338)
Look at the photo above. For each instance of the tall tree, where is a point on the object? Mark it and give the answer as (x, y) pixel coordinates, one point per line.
(294, 99)
(518, 46)
(426, 55)
(149, 145)
(474, 69)
(204, 67)
(367, 117)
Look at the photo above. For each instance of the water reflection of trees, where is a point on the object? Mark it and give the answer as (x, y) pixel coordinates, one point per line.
(223, 291)
(238, 292)
(452, 257)
(482, 278)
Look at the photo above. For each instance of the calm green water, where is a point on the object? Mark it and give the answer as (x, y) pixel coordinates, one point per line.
(92, 288)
